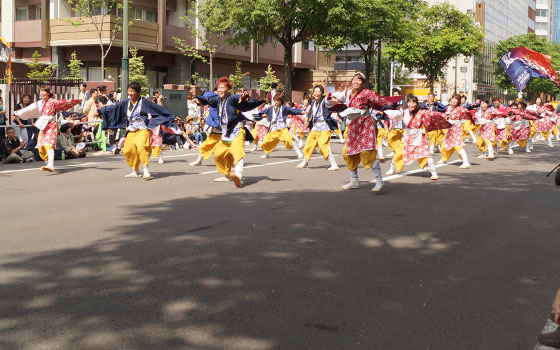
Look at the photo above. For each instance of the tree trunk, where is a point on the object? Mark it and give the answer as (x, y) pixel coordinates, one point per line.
(367, 59)
(102, 62)
(211, 63)
(288, 72)
(431, 82)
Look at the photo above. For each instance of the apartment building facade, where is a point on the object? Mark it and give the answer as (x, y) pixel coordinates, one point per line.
(43, 25)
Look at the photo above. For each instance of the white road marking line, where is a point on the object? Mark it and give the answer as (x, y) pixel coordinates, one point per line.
(410, 172)
(261, 165)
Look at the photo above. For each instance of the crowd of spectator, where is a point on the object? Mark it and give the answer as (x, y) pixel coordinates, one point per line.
(80, 128)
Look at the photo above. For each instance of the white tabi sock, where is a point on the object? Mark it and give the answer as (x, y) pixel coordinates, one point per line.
(465, 158)
(50, 158)
(239, 169)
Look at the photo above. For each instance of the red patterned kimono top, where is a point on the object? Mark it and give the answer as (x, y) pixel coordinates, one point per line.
(361, 125)
(416, 144)
(488, 127)
(520, 125)
(46, 112)
(455, 117)
(547, 122)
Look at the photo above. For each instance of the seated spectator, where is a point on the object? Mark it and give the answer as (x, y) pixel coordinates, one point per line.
(193, 131)
(11, 149)
(66, 143)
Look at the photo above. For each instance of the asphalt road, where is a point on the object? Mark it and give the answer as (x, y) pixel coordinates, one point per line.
(91, 260)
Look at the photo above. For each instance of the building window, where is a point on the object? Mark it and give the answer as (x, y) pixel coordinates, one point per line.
(22, 14)
(541, 12)
(540, 26)
(143, 14)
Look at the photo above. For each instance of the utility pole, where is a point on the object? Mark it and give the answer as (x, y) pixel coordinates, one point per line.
(379, 67)
(124, 84)
(393, 64)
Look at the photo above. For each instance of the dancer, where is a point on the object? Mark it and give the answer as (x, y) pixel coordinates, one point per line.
(416, 144)
(521, 126)
(545, 125)
(230, 149)
(322, 126)
(454, 136)
(156, 143)
(503, 134)
(361, 132)
(297, 123)
(46, 109)
(437, 137)
(213, 133)
(139, 116)
(278, 130)
(487, 137)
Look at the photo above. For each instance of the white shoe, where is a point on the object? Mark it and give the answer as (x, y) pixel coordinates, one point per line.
(264, 156)
(302, 165)
(465, 166)
(253, 148)
(186, 146)
(378, 186)
(299, 154)
(333, 168)
(341, 140)
(301, 144)
(160, 161)
(47, 168)
(440, 161)
(390, 172)
(351, 185)
(222, 179)
(482, 156)
(132, 175)
(197, 162)
(434, 177)
(146, 175)
(491, 158)
(510, 151)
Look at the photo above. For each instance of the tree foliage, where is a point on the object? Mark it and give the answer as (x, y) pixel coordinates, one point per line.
(533, 42)
(137, 70)
(74, 66)
(366, 23)
(38, 70)
(441, 33)
(286, 22)
(214, 23)
(237, 77)
(266, 82)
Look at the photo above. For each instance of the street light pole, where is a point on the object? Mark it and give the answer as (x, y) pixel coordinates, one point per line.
(379, 67)
(124, 84)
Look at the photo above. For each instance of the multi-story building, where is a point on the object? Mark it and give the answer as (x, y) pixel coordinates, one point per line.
(43, 25)
(555, 21)
(544, 19)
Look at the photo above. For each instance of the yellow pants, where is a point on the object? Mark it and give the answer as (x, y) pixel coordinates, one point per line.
(43, 152)
(319, 139)
(555, 130)
(272, 138)
(446, 154)
(533, 129)
(366, 158)
(207, 147)
(228, 153)
(394, 140)
(482, 144)
(381, 134)
(137, 148)
(522, 143)
(156, 151)
(437, 137)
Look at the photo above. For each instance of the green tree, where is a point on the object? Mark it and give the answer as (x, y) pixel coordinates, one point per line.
(237, 77)
(266, 82)
(214, 24)
(368, 23)
(38, 70)
(442, 33)
(74, 66)
(533, 42)
(286, 22)
(100, 13)
(137, 70)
